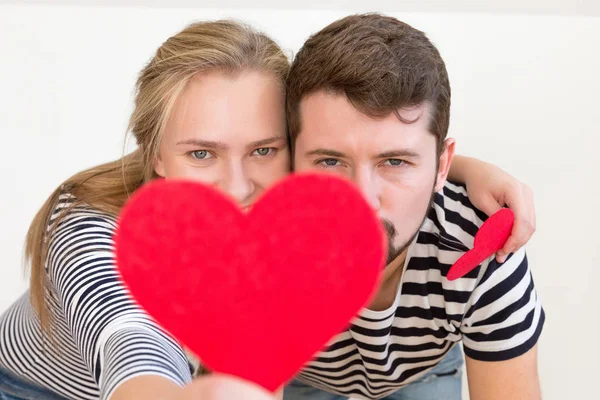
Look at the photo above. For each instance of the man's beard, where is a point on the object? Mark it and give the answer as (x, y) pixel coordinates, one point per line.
(394, 251)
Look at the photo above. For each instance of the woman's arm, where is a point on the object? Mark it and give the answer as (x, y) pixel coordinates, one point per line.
(148, 387)
(117, 340)
(210, 387)
(489, 188)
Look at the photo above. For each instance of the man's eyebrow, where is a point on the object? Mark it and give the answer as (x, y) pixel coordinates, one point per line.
(386, 154)
(326, 153)
(398, 153)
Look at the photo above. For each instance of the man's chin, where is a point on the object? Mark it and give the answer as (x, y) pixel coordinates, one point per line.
(396, 251)
(394, 254)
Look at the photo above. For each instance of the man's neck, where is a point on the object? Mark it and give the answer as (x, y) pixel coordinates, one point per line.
(390, 280)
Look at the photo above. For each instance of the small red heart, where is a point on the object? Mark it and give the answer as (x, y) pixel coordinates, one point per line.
(256, 295)
(491, 237)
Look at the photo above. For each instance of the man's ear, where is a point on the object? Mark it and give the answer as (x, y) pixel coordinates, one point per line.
(444, 165)
(159, 166)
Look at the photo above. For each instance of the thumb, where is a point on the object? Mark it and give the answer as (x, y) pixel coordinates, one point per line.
(488, 204)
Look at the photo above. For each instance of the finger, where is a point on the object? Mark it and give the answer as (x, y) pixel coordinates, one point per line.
(501, 258)
(489, 205)
(522, 230)
(522, 204)
(503, 253)
(530, 200)
(519, 236)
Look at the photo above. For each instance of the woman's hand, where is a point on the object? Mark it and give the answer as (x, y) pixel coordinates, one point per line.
(224, 387)
(489, 188)
(208, 387)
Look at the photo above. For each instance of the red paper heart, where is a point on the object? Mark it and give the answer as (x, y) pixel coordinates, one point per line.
(491, 237)
(257, 295)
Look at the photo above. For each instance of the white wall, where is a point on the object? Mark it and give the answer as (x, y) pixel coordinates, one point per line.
(525, 96)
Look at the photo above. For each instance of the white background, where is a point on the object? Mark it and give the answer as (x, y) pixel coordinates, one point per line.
(526, 84)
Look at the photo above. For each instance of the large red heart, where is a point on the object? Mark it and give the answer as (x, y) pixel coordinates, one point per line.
(491, 237)
(256, 295)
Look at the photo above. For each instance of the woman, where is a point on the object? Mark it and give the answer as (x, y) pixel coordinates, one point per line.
(209, 107)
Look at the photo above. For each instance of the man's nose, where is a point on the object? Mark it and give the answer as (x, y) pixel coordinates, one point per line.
(369, 185)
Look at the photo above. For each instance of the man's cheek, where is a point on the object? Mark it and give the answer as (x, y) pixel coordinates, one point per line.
(407, 217)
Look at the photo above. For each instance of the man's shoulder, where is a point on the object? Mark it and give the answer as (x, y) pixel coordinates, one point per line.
(452, 218)
(447, 233)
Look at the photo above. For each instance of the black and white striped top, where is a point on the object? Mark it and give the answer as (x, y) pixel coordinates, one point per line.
(494, 311)
(101, 337)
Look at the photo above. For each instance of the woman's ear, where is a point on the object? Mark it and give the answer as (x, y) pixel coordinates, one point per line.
(159, 166)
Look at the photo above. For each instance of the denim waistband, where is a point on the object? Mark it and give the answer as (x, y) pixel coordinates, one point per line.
(14, 387)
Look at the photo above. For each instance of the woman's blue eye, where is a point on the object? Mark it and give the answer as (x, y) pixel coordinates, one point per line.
(201, 154)
(264, 151)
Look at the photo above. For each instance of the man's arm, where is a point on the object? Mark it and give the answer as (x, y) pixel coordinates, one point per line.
(515, 379)
(501, 329)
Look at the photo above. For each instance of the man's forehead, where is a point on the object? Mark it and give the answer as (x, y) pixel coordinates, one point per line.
(332, 127)
(336, 105)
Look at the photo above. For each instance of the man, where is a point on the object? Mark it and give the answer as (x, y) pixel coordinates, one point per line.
(369, 99)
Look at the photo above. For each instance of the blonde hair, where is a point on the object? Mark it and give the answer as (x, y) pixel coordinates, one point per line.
(224, 45)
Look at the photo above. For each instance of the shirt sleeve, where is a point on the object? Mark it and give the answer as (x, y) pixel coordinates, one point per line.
(504, 316)
(116, 338)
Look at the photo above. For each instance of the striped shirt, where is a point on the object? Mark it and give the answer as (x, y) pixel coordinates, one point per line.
(494, 310)
(100, 338)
